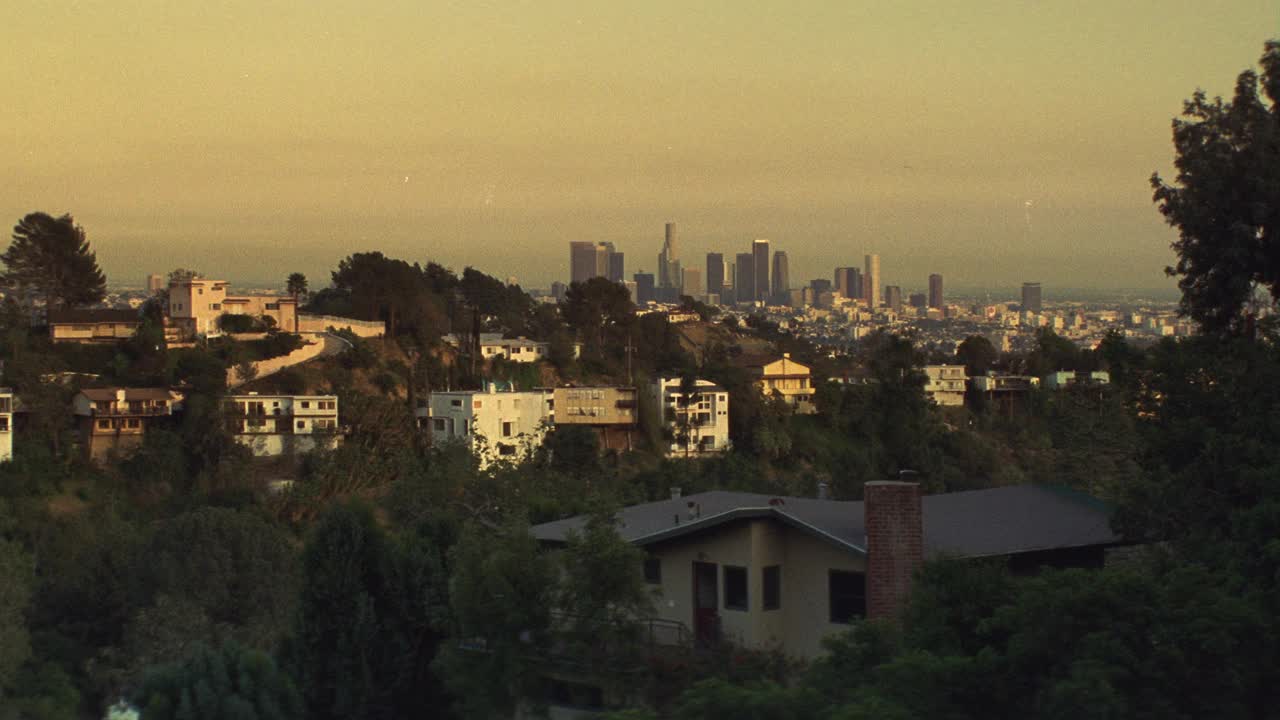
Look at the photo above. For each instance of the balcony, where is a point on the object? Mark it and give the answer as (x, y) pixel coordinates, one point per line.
(138, 410)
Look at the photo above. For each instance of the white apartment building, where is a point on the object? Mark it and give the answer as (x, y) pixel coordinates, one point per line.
(496, 425)
(946, 384)
(273, 425)
(6, 424)
(699, 422)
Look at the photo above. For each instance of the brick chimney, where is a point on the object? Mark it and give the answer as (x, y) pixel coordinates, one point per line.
(895, 544)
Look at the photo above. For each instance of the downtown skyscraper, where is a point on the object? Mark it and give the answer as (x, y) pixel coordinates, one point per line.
(760, 266)
(935, 291)
(781, 281)
(715, 273)
(871, 281)
(669, 275)
(588, 260)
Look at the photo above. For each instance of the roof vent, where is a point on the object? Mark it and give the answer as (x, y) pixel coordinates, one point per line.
(675, 493)
(776, 502)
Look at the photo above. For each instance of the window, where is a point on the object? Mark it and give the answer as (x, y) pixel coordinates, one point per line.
(199, 291)
(508, 429)
(847, 593)
(735, 588)
(273, 306)
(772, 590)
(455, 403)
(477, 404)
(104, 424)
(302, 424)
(506, 450)
(653, 570)
(4, 424)
(135, 423)
(306, 404)
(215, 306)
(438, 424)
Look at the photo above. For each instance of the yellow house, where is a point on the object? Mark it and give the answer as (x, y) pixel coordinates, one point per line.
(93, 326)
(789, 380)
(782, 573)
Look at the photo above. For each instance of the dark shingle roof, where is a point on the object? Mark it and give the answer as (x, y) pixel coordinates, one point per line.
(83, 316)
(976, 523)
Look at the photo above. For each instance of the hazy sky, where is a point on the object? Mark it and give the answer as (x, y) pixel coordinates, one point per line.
(251, 138)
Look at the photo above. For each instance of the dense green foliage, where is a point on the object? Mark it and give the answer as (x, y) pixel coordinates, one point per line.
(50, 257)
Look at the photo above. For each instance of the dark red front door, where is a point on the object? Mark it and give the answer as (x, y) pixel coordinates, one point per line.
(706, 603)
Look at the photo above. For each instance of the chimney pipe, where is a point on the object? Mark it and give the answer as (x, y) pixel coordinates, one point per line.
(895, 544)
(824, 490)
(675, 493)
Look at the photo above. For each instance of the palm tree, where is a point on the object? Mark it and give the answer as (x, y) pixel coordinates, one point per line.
(296, 286)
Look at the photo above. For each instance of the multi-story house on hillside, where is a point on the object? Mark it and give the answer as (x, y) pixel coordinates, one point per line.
(196, 304)
(946, 384)
(787, 379)
(114, 420)
(611, 412)
(496, 425)
(283, 424)
(696, 417)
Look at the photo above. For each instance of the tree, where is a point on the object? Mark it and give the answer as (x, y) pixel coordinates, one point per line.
(589, 306)
(15, 593)
(51, 256)
(1225, 203)
(229, 682)
(977, 354)
(296, 285)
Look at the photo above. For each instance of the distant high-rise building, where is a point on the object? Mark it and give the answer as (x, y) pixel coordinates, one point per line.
(558, 290)
(871, 281)
(744, 283)
(617, 267)
(155, 283)
(760, 268)
(820, 285)
(588, 260)
(935, 291)
(692, 283)
(669, 259)
(919, 300)
(855, 284)
(849, 282)
(781, 282)
(893, 297)
(1031, 297)
(644, 287)
(715, 273)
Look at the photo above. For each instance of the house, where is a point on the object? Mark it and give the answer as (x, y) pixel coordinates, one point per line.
(611, 412)
(1069, 378)
(520, 349)
(114, 420)
(946, 384)
(273, 425)
(93, 326)
(6, 424)
(494, 424)
(784, 572)
(787, 379)
(196, 304)
(698, 421)
(1005, 391)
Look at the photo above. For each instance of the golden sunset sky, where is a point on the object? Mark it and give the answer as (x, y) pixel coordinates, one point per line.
(252, 138)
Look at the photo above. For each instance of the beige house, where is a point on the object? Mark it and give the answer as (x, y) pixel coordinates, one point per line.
(271, 425)
(6, 424)
(195, 304)
(93, 326)
(789, 380)
(782, 573)
(699, 421)
(114, 420)
(946, 384)
(610, 411)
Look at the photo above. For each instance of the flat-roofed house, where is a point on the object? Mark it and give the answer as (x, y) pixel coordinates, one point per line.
(494, 424)
(196, 304)
(610, 412)
(698, 419)
(93, 326)
(273, 425)
(787, 379)
(946, 384)
(783, 573)
(114, 420)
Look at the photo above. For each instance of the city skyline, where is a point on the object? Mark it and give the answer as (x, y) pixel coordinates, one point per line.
(259, 139)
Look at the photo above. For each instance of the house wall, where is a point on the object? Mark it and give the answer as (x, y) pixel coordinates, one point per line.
(595, 406)
(484, 414)
(322, 323)
(803, 620)
(92, 332)
(666, 391)
(6, 426)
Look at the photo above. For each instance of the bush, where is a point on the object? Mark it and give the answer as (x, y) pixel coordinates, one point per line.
(229, 323)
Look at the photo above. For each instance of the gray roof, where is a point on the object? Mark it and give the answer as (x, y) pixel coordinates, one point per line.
(86, 316)
(976, 523)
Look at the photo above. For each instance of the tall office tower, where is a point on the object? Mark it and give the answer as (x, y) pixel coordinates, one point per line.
(668, 275)
(1031, 297)
(893, 297)
(644, 287)
(935, 291)
(855, 284)
(839, 280)
(558, 290)
(820, 285)
(617, 267)
(871, 281)
(692, 283)
(744, 288)
(715, 273)
(760, 269)
(582, 261)
(919, 300)
(155, 283)
(781, 282)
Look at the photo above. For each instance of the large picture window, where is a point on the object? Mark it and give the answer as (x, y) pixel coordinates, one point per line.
(735, 588)
(847, 592)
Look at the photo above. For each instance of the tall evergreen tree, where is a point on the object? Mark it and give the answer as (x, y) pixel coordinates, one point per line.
(50, 256)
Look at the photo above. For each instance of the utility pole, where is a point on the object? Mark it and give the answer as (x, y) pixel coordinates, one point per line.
(630, 349)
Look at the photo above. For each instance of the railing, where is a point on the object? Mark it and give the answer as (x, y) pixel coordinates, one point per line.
(123, 411)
